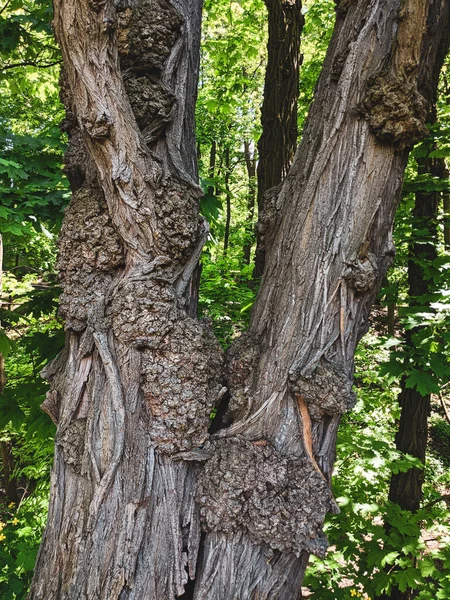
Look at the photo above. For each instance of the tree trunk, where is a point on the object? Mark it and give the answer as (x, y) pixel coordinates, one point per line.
(226, 237)
(250, 163)
(266, 489)
(138, 378)
(277, 144)
(132, 392)
(10, 482)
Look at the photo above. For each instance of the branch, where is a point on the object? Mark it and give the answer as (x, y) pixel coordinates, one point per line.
(444, 406)
(5, 7)
(444, 498)
(31, 63)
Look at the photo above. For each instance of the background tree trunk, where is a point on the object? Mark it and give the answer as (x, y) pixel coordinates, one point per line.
(250, 163)
(277, 144)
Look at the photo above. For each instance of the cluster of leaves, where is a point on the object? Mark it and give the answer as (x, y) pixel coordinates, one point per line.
(33, 193)
(364, 555)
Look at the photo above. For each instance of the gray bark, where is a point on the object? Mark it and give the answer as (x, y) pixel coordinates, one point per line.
(132, 392)
(139, 377)
(290, 376)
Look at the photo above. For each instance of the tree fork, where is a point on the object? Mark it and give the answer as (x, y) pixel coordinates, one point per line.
(133, 389)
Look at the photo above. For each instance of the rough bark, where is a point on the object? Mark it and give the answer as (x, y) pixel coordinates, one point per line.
(132, 392)
(278, 141)
(138, 377)
(290, 376)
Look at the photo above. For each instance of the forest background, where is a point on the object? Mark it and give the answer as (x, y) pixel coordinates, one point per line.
(407, 346)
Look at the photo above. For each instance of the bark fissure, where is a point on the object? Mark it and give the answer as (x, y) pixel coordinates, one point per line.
(329, 250)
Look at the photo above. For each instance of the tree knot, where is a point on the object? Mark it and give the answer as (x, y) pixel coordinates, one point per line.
(395, 109)
(362, 273)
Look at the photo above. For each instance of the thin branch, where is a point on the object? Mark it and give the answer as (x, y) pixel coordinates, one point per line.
(444, 406)
(5, 6)
(30, 63)
(444, 498)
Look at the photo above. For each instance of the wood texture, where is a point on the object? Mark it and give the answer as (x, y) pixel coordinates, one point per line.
(329, 250)
(139, 375)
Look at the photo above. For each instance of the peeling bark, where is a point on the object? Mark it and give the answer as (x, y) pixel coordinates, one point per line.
(291, 376)
(139, 376)
(133, 389)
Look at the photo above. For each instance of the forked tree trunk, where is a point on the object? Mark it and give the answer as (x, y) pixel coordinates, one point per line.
(134, 469)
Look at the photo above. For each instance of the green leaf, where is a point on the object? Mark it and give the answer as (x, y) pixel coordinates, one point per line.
(424, 383)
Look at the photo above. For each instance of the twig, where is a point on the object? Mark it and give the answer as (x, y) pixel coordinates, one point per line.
(446, 411)
(30, 63)
(444, 498)
(5, 6)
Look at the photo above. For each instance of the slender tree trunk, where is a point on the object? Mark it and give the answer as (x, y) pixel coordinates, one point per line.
(226, 237)
(10, 481)
(250, 163)
(277, 144)
(212, 166)
(134, 387)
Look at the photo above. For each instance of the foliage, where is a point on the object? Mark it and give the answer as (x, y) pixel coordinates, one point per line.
(21, 530)
(360, 545)
(33, 193)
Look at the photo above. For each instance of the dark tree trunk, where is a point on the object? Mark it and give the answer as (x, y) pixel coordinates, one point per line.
(406, 487)
(212, 166)
(10, 482)
(277, 144)
(226, 237)
(133, 390)
(250, 163)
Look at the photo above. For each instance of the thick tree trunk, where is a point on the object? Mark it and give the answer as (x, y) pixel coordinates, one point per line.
(278, 141)
(266, 489)
(138, 378)
(132, 392)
